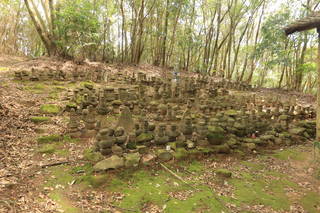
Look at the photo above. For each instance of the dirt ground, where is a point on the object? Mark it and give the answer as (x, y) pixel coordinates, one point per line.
(58, 177)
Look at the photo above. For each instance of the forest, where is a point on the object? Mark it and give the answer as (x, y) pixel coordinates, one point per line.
(239, 40)
(174, 106)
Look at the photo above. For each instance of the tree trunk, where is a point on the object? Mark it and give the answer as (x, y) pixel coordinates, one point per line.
(164, 42)
(46, 37)
(318, 90)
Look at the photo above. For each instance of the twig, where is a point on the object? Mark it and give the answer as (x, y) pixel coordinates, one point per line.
(176, 176)
(55, 164)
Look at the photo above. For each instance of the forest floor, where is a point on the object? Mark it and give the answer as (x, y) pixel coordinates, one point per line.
(53, 174)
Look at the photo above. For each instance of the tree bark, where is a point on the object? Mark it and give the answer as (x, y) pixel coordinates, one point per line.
(318, 90)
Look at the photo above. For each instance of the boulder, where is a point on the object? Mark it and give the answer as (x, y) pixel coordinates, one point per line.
(113, 162)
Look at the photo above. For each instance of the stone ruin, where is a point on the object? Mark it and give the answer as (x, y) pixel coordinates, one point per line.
(164, 119)
(66, 72)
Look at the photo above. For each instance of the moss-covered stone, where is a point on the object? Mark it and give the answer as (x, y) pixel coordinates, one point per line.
(49, 139)
(231, 112)
(224, 173)
(50, 109)
(144, 137)
(70, 106)
(92, 156)
(39, 119)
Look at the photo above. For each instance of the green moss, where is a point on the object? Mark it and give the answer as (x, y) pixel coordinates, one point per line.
(311, 202)
(206, 150)
(195, 166)
(231, 112)
(63, 152)
(56, 148)
(224, 173)
(202, 201)
(47, 149)
(50, 109)
(143, 187)
(37, 88)
(86, 83)
(92, 156)
(67, 138)
(65, 204)
(253, 166)
(56, 138)
(49, 139)
(4, 69)
(59, 88)
(53, 96)
(144, 137)
(289, 154)
(71, 105)
(94, 180)
(255, 190)
(180, 153)
(39, 119)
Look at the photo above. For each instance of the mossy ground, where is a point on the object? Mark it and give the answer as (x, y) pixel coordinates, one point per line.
(288, 154)
(54, 144)
(253, 183)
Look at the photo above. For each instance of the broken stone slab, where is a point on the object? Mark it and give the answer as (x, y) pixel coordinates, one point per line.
(113, 162)
(147, 159)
